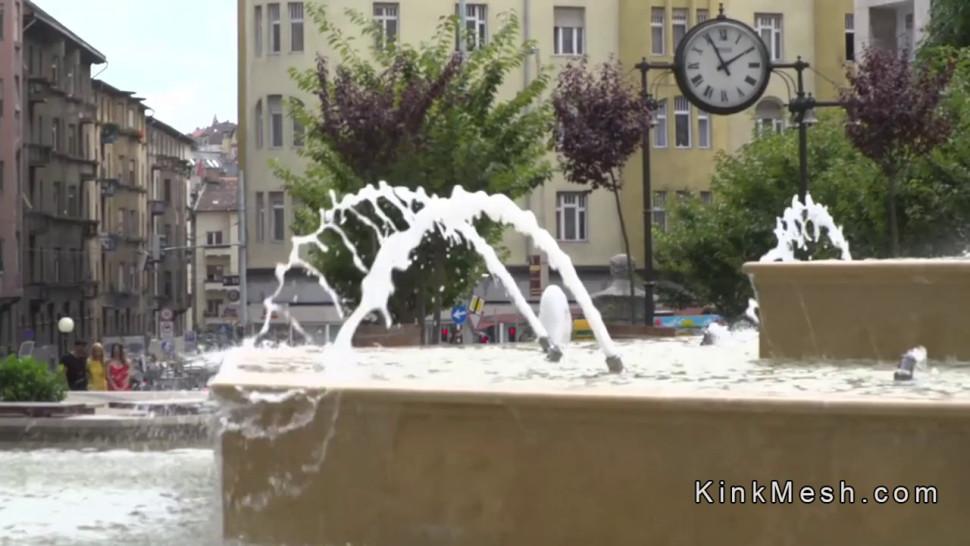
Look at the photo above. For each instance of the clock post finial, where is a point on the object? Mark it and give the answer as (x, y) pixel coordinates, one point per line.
(720, 10)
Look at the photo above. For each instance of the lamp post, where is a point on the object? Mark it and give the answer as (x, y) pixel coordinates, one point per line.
(800, 107)
(649, 280)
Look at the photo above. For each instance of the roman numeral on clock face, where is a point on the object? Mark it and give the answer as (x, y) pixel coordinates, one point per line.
(709, 92)
(723, 34)
(693, 66)
(750, 81)
(724, 96)
(697, 50)
(697, 80)
(740, 92)
(754, 65)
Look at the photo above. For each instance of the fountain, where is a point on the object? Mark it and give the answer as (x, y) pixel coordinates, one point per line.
(497, 445)
(854, 309)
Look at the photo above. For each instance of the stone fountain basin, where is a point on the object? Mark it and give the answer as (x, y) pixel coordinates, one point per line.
(867, 309)
(316, 461)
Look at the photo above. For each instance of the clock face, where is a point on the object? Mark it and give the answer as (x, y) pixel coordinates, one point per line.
(722, 66)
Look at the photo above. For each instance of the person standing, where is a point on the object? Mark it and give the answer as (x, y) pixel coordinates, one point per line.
(119, 370)
(74, 365)
(97, 381)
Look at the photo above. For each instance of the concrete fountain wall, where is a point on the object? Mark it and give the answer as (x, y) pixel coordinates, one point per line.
(390, 466)
(870, 309)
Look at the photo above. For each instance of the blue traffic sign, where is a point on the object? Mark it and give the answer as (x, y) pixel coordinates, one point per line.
(459, 313)
(168, 347)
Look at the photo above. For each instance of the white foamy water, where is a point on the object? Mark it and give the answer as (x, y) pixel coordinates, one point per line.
(118, 497)
(657, 366)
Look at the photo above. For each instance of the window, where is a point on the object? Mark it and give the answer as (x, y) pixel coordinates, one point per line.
(258, 30)
(168, 290)
(212, 307)
(849, 36)
(275, 36)
(260, 216)
(213, 273)
(58, 198)
(279, 215)
(213, 238)
(56, 135)
(55, 78)
(275, 103)
(72, 139)
(298, 131)
(296, 25)
(660, 131)
(769, 28)
(681, 122)
(707, 197)
(683, 195)
(131, 172)
(259, 123)
(679, 23)
(703, 15)
(657, 31)
(167, 190)
(72, 204)
(568, 31)
(571, 216)
(703, 129)
(386, 16)
(770, 118)
(475, 25)
(660, 210)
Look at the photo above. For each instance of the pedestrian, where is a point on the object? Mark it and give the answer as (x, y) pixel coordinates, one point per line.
(75, 367)
(97, 381)
(119, 369)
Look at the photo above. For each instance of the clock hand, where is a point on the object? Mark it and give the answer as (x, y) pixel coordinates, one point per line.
(718, 53)
(736, 57)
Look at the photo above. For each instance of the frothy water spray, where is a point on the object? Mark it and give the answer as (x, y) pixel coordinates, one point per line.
(800, 224)
(453, 217)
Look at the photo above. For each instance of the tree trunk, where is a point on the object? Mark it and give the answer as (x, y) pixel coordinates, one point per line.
(626, 248)
(893, 221)
(422, 313)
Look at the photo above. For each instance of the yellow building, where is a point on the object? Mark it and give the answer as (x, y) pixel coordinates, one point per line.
(274, 36)
(685, 140)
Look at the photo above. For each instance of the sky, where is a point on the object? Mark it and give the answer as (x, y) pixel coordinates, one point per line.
(180, 55)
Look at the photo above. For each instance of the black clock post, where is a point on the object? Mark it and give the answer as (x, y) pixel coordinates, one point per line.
(722, 67)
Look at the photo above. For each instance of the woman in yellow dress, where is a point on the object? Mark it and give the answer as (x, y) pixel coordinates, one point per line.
(97, 381)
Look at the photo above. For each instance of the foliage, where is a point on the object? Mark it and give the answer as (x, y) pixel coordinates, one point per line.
(416, 117)
(949, 24)
(600, 121)
(706, 245)
(895, 116)
(29, 380)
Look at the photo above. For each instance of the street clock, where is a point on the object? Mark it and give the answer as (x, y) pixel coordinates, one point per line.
(722, 66)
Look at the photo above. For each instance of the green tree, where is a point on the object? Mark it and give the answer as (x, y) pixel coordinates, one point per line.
(706, 245)
(29, 380)
(949, 24)
(415, 116)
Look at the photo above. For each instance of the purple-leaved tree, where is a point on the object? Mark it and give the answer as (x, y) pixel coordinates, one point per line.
(600, 120)
(895, 116)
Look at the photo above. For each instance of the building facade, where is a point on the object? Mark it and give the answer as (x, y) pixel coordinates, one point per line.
(275, 36)
(57, 181)
(217, 280)
(169, 152)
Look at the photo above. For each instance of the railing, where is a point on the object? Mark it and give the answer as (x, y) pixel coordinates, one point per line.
(38, 154)
(58, 267)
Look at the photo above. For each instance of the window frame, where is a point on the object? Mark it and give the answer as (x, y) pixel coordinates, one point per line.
(297, 23)
(578, 33)
(660, 25)
(273, 118)
(579, 209)
(274, 29)
(661, 128)
(658, 209)
(676, 22)
(258, 31)
(681, 113)
(479, 16)
(849, 25)
(277, 208)
(702, 133)
(384, 17)
(774, 23)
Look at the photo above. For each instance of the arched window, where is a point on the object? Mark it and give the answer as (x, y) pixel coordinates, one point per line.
(769, 117)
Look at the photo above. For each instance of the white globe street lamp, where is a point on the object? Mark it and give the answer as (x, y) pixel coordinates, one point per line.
(65, 325)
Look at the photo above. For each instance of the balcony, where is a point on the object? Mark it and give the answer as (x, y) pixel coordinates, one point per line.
(214, 284)
(157, 207)
(58, 268)
(38, 155)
